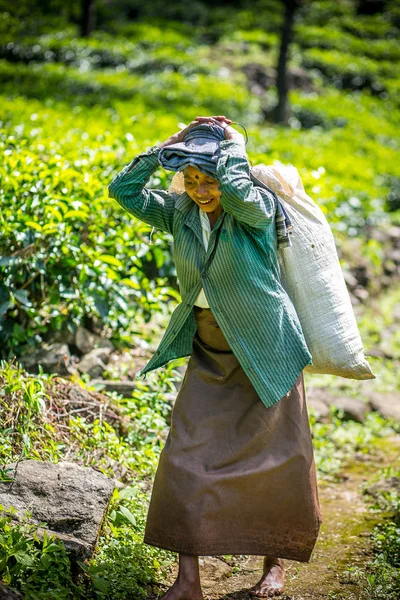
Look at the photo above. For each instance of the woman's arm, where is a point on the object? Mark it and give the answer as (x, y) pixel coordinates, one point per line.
(154, 207)
(248, 203)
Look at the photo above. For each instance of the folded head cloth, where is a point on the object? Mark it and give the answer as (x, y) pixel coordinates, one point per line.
(201, 149)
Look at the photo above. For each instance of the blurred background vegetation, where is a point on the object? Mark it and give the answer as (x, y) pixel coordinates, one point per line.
(84, 87)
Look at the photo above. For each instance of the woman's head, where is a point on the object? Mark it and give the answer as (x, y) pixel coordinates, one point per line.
(201, 188)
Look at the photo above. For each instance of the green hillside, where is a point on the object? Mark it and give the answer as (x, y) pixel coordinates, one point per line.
(73, 111)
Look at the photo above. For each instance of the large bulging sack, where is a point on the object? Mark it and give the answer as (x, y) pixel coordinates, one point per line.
(312, 276)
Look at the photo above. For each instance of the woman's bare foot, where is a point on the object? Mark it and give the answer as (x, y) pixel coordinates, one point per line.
(187, 585)
(272, 580)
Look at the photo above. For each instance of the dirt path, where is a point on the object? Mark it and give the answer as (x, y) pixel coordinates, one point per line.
(343, 542)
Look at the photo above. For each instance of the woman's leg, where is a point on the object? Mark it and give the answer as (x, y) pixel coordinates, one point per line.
(187, 585)
(272, 580)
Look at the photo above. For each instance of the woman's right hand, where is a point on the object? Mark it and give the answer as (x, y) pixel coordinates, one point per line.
(180, 135)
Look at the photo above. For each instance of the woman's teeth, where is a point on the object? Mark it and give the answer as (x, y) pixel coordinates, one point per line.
(205, 201)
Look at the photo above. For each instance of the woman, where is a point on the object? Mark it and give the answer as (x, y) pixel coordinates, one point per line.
(237, 473)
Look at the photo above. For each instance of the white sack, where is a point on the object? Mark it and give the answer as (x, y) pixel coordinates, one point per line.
(312, 276)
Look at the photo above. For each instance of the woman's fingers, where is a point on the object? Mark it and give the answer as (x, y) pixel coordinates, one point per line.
(218, 118)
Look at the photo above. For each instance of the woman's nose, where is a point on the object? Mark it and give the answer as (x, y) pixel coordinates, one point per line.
(201, 191)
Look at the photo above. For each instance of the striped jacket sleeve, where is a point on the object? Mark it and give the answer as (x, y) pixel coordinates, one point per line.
(152, 206)
(249, 204)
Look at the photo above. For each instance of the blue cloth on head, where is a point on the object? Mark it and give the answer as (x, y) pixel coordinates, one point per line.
(200, 149)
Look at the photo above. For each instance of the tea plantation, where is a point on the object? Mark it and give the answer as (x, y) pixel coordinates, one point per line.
(73, 112)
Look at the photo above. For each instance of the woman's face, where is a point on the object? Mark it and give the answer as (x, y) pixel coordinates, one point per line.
(202, 189)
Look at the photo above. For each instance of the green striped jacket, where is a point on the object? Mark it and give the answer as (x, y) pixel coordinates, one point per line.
(239, 272)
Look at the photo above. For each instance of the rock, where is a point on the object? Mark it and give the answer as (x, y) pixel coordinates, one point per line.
(76, 547)
(260, 78)
(353, 409)
(300, 78)
(384, 485)
(109, 385)
(86, 341)
(388, 404)
(394, 234)
(6, 594)
(350, 280)
(70, 499)
(378, 353)
(213, 569)
(322, 394)
(361, 293)
(55, 358)
(94, 363)
(319, 400)
(320, 408)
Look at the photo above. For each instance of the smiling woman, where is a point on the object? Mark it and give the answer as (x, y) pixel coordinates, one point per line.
(237, 472)
(204, 190)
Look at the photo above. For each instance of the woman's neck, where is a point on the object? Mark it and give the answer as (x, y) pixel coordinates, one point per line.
(213, 216)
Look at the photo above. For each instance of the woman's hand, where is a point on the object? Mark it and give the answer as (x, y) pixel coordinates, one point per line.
(221, 120)
(179, 136)
(229, 132)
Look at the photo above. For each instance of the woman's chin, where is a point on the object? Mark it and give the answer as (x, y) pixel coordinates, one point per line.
(209, 206)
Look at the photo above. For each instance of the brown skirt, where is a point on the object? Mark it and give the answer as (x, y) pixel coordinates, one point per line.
(234, 476)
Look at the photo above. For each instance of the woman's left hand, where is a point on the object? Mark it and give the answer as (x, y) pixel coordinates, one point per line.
(229, 132)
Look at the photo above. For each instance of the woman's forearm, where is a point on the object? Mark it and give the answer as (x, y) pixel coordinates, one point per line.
(154, 207)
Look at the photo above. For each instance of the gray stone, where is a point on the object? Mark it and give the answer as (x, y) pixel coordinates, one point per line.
(55, 358)
(350, 280)
(213, 569)
(394, 234)
(319, 400)
(384, 485)
(70, 499)
(320, 408)
(76, 547)
(109, 385)
(86, 341)
(353, 408)
(7, 594)
(388, 404)
(94, 363)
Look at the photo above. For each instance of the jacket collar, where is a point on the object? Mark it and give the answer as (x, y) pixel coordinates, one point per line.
(190, 210)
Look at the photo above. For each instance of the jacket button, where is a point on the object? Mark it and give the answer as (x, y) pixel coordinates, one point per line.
(187, 305)
(204, 275)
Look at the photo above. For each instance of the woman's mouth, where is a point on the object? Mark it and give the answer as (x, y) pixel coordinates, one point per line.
(205, 201)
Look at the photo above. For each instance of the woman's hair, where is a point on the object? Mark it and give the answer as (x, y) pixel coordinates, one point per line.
(177, 184)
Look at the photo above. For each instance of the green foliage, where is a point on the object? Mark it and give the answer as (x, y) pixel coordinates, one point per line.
(380, 579)
(23, 404)
(124, 567)
(69, 254)
(39, 567)
(125, 445)
(336, 441)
